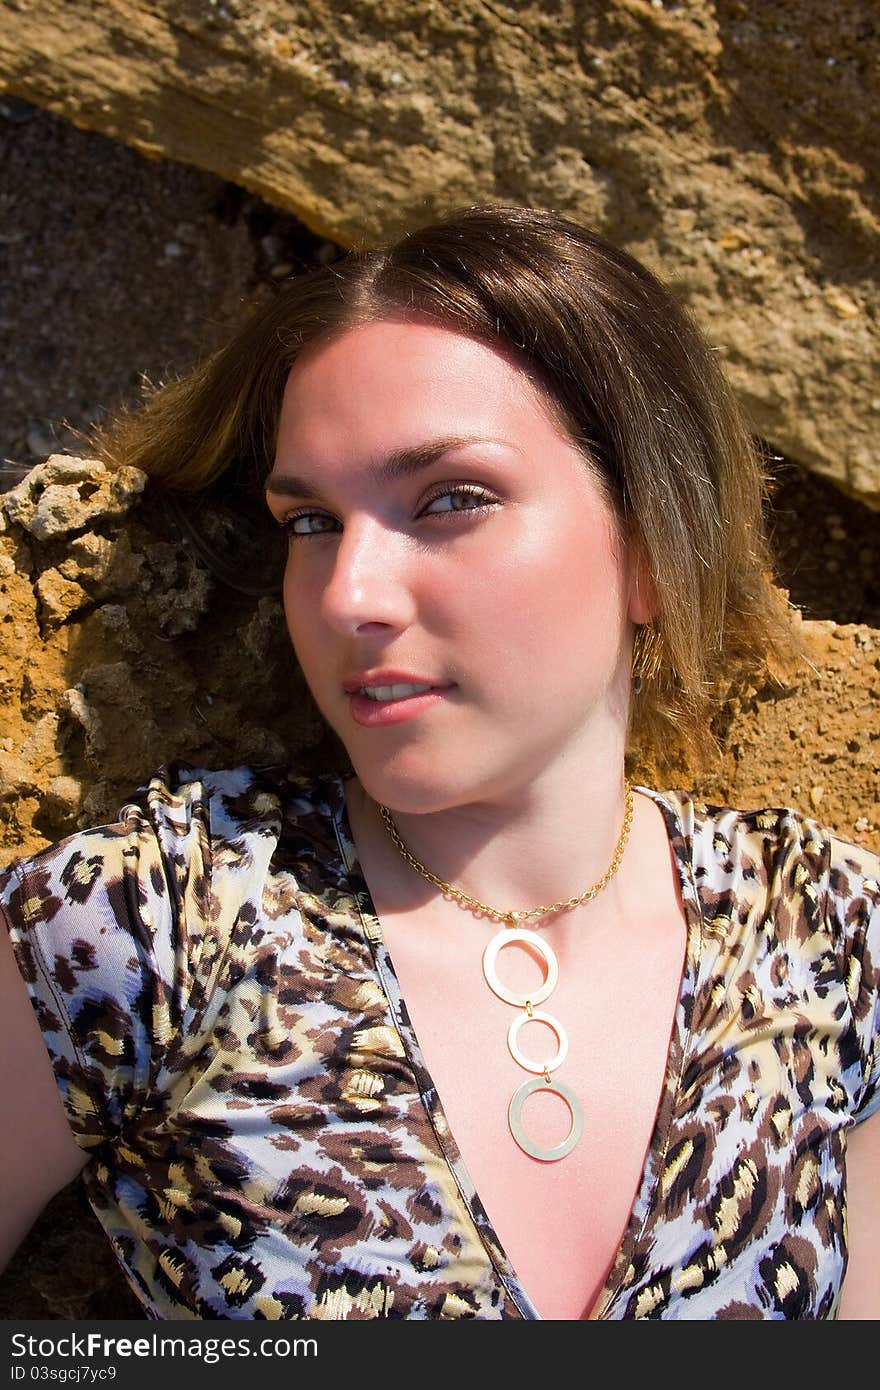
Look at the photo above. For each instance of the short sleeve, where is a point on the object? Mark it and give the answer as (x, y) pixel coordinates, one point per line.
(118, 933)
(83, 917)
(854, 892)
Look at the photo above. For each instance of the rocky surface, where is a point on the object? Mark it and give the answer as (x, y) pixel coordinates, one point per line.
(731, 145)
(115, 267)
(119, 652)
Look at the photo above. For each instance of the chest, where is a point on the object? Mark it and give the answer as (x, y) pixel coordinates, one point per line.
(364, 1211)
(560, 1222)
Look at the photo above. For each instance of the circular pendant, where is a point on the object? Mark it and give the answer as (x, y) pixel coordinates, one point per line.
(514, 1115)
(537, 1016)
(530, 938)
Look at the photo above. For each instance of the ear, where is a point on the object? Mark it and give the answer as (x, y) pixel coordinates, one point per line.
(644, 601)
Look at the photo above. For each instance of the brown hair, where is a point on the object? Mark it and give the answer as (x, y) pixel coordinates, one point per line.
(629, 375)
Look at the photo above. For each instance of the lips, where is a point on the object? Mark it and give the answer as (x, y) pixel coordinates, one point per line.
(386, 676)
(379, 714)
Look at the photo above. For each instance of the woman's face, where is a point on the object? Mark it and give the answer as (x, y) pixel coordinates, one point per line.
(444, 530)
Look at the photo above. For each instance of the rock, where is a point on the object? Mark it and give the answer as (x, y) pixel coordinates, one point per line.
(177, 604)
(74, 702)
(106, 568)
(65, 495)
(60, 806)
(262, 633)
(59, 598)
(88, 557)
(114, 624)
(731, 148)
(112, 707)
(65, 792)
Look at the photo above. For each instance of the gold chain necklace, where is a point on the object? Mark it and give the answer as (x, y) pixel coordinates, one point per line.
(514, 931)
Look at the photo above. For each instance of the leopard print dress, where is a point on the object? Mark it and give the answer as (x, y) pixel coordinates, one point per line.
(265, 1142)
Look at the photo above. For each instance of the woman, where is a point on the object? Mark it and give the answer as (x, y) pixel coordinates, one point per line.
(479, 1029)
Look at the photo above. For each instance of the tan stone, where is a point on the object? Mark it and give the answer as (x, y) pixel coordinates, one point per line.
(64, 495)
(732, 146)
(59, 598)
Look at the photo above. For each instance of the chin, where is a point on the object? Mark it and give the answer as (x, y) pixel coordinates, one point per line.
(430, 784)
(411, 793)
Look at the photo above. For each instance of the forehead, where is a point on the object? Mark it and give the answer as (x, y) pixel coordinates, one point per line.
(395, 378)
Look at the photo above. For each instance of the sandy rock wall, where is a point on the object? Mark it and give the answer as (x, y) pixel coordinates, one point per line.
(731, 145)
(120, 649)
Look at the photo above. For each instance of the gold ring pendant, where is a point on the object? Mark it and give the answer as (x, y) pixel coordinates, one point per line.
(514, 1116)
(544, 1082)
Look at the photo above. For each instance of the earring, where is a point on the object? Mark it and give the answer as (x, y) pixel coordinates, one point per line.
(647, 656)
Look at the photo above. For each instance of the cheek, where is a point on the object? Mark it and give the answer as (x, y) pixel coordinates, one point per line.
(547, 613)
(568, 572)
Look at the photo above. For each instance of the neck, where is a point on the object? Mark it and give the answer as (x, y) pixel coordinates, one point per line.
(551, 840)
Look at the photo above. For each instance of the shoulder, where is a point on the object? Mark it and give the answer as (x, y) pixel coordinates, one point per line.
(188, 849)
(185, 812)
(782, 851)
(789, 912)
(772, 834)
(124, 933)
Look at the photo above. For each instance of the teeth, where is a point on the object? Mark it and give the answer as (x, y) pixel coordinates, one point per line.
(392, 692)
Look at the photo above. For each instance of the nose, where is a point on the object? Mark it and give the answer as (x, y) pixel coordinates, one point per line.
(370, 582)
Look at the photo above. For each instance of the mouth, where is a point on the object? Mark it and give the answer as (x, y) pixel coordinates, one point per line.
(385, 694)
(381, 705)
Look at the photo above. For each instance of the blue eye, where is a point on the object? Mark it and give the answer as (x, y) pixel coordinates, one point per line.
(478, 495)
(288, 525)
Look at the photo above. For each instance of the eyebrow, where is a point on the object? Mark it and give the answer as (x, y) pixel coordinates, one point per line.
(400, 463)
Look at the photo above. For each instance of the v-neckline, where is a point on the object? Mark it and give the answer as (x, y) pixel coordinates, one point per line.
(680, 836)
